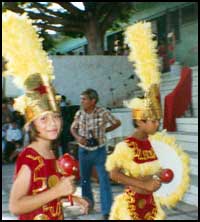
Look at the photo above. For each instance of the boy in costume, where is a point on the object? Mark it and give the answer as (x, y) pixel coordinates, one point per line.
(134, 162)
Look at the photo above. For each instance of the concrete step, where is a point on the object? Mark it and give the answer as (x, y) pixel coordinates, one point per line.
(168, 76)
(183, 124)
(191, 197)
(170, 87)
(170, 79)
(194, 166)
(166, 92)
(165, 78)
(187, 124)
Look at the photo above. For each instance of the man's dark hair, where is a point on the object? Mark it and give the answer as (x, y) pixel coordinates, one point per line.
(63, 97)
(13, 120)
(91, 94)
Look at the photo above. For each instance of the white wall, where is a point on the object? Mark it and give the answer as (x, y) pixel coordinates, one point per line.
(73, 74)
(77, 73)
(10, 88)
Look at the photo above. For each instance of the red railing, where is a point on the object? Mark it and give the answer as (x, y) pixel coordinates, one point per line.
(179, 100)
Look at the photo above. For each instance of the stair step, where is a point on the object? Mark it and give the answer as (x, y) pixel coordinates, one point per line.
(194, 169)
(183, 136)
(186, 125)
(191, 199)
(193, 189)
(193, 162)
(171, 87)
(187, 120)
(188, 146)
(168, 75)
(191, 195)
(194, 179)
(164, 93)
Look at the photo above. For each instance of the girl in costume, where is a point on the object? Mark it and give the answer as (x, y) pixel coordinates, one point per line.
(134, 162)
(38, 186)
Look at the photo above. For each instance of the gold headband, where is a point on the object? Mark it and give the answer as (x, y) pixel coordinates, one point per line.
(40, 97)
(148, 107)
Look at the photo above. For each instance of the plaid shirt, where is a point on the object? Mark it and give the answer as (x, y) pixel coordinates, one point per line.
(97, 121)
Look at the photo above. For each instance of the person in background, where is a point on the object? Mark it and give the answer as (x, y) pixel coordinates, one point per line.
(13, 140)
(89, 128)
(6, 113)
(65, 132)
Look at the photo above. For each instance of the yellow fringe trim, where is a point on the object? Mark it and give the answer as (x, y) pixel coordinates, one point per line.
(177, 195)
(122, 157)
(120, 211)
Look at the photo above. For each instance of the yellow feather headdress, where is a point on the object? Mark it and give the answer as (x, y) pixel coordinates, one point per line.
(144, 55)
(29, 64)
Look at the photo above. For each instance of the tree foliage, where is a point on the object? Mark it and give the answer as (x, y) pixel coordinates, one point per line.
(66, 19)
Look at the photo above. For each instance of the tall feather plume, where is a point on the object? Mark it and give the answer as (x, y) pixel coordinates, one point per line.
(22, 49)
(143, 53)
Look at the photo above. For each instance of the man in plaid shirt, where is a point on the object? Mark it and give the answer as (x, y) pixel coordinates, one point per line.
(89, 128)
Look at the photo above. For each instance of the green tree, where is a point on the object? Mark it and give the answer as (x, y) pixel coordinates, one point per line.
(92, 22)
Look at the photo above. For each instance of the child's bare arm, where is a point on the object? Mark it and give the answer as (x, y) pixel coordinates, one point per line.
(148, 184)
(21, 203)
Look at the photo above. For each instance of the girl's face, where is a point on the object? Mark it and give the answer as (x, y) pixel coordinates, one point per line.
(48, 125)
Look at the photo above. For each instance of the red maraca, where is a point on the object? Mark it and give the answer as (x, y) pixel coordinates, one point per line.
(69, 166)
(166, 175)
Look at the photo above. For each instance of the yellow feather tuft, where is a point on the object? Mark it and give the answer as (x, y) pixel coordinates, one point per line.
(143, 54)
(22, 49)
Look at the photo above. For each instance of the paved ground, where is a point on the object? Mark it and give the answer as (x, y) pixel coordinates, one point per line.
(181, 212)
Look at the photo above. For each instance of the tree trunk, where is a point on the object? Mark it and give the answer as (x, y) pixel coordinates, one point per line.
(95, 39)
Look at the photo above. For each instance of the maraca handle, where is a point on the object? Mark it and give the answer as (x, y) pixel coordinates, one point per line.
(70, 199)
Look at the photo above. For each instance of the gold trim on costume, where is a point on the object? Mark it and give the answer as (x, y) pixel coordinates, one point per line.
(52, 181)
(41, 217)
(54, 211)
(141, 203)
(35, 172)
(141, 154)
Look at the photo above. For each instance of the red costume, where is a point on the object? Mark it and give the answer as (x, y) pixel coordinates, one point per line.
(44, 175)
(136, 158)
(142, 206)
